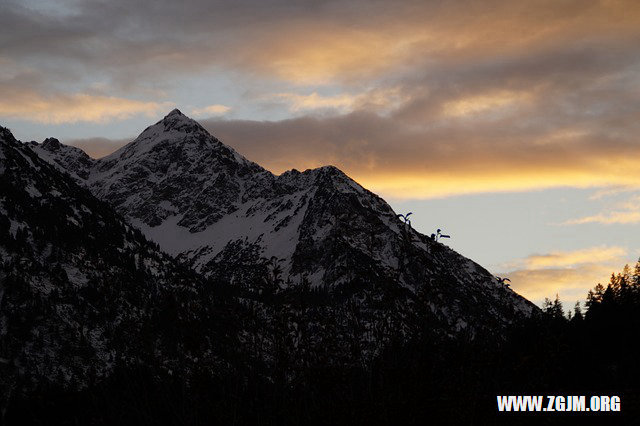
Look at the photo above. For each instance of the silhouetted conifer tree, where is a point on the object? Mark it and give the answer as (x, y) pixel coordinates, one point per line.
(577, 312)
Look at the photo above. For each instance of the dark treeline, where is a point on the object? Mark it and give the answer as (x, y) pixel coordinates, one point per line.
(601, 346)
(426, 380)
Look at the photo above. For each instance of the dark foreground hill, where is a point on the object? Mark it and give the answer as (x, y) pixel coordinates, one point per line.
(83, 293)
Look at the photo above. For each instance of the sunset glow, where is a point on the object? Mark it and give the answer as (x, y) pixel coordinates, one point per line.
(423, 103)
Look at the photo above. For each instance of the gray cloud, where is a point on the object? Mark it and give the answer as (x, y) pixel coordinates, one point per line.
(130, 41)
(98, 147)
(539, 93)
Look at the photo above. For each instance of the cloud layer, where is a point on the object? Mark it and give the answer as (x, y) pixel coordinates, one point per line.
(418, 99)
(570, 274)
(76, 107)
(627, 212)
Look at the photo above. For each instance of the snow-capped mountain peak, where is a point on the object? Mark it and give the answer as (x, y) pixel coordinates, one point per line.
(229, 219)
(175, 111)
(175, 132)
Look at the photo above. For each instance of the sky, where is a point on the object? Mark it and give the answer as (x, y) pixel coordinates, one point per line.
(513, 126)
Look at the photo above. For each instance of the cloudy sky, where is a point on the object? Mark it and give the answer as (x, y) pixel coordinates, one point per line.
(512, 125)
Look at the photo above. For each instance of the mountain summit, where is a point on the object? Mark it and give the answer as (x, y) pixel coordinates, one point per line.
(231, 220)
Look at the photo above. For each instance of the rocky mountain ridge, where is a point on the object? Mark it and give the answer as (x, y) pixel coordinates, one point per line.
(82, 291)
(231, 220)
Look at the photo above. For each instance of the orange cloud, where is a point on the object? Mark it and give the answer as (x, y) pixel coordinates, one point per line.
(323, 48)
(71, 108)
(317, 52)
(625, 213)
(438, 160)
(424, 184)
(497, 101)
(570, 274)
(608, 218)
(432, 175)
(571, 284)
(312, 101)
(383, 99)
(210, 111)
(569, 258)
